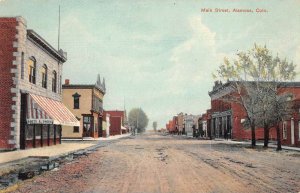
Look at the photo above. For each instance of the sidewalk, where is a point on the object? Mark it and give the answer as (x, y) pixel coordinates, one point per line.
(53, 151)
(261, 144)
(100, 138)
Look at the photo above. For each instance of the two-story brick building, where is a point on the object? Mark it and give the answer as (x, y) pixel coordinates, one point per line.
(30, 81)
(86, 103)
(226, 118)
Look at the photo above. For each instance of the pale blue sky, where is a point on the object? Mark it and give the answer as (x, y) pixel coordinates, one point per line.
(159, 55)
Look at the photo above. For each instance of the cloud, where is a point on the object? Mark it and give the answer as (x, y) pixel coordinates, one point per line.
(193, 59)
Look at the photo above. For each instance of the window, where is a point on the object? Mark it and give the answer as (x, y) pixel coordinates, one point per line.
(22, 65)
(75, 129)
(284, 130)
(76, 97)
(54, 81)
(60, 84)
(32, 69)
(44, 76)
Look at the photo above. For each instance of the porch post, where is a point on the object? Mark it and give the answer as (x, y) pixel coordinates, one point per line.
(292, 131)
(60, 133)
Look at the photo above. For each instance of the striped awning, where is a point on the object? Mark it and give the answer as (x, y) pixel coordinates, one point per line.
(43, 110)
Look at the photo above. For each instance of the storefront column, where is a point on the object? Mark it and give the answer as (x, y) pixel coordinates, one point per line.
(292, 132)
(60, 133)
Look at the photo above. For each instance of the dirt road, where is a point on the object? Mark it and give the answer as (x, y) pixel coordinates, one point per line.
(161, 164)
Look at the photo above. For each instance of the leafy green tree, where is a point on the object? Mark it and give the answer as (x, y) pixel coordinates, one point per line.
(138, 119)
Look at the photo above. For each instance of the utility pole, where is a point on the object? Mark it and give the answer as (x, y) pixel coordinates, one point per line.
(58, 38)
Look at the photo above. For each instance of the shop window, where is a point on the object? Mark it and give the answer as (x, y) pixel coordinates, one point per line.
(44, 76)
(75, 129)
(29, 132)
(45, 131)
(57, 131)
(22, 65)
(32, 70)
(54, 81)
(284, 130)
(51, 131)
(76, 97)
(38, 131)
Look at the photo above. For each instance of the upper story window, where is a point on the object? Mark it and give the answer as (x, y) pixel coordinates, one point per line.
(32, 69)
(54, 81)
(60, 84)
(22, 65)
(76, 97)
(44, 76)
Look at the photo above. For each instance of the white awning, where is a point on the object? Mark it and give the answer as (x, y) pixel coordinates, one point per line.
(43, 110)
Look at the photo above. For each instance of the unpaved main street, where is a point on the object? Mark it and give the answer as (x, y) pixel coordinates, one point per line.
(156, 163)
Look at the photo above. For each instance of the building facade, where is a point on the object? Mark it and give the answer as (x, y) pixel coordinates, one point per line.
(117, 121)
(86, 103)
(226, 118)
(188, 121)
(31, 71)
(180, 123)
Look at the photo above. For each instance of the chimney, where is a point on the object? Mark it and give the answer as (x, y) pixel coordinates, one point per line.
(67, 81)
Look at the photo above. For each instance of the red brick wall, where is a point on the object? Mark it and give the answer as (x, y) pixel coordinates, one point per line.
(29, 143)
(115, 126)
(7, 36)
(239, 113)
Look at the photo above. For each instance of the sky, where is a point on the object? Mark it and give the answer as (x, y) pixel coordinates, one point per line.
(158, 55)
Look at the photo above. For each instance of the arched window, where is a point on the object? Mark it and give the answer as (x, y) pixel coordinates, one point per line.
(44, 76)
(54, 81)
(32, 69)
(22, 65)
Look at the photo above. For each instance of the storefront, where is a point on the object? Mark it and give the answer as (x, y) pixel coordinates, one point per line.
(41, 121)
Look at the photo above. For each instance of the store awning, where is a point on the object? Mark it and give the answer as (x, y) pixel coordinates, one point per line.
(43, 110)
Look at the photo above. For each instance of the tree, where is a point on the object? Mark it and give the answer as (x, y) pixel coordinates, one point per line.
(256, 76)
(154, 125)
(138, 119)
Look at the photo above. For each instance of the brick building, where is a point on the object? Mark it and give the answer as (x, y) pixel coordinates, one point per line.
(118, 122)
(30, 81)
(228, 117)
(180, 123)
(86, 103)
